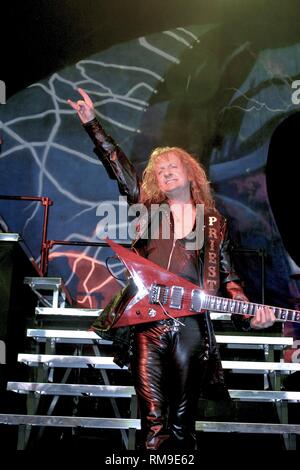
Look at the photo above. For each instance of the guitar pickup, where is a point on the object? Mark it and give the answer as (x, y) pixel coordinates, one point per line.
(176, 297)
(158, 294)
(196, 300)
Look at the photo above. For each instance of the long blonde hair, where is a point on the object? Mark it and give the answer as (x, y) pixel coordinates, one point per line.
(200, 187)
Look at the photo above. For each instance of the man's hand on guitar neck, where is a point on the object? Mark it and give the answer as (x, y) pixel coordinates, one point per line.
(264, 318)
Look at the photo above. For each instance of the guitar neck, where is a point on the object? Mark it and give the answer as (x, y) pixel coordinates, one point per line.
(224, 305)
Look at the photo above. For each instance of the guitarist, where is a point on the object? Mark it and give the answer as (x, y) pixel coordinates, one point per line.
(173, 363)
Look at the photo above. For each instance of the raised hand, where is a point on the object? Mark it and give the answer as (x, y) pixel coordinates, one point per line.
(85, 107)
(264, 318)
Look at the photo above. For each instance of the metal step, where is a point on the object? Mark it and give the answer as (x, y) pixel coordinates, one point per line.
(237, 341)
(52, 360)
(220, 316)
(78, 312)
(120, 423)
(264, 395)
(66, 336)
(258, 367)
(253, 428)
(9, 237)
(45, 283)
(89, 337)
(123, 391)
(57, 291)
(70, 421)
(68, 313)
(115, 391)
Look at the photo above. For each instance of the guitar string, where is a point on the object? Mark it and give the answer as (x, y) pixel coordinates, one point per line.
(207, 302)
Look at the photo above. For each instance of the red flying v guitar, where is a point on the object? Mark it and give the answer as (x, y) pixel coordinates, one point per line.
(159, 294)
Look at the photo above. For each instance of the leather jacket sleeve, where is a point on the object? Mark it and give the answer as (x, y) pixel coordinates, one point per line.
(114, 160)
(230, 281)
(120, 168)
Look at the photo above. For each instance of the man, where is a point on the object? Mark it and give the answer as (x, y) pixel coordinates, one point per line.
(172, 362)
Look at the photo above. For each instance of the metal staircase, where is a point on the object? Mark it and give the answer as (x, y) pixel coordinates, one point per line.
(62, 348)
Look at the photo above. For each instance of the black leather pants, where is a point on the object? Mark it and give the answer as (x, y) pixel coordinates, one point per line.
(168, 367)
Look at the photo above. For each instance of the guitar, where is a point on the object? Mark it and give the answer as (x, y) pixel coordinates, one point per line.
(158, 294)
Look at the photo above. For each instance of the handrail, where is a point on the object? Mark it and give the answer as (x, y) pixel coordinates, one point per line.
(46, 202)
(51, 243)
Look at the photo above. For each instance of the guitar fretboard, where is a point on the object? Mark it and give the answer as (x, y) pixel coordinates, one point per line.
(221, 304)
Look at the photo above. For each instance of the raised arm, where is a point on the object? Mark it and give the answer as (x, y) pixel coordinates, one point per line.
(106, 149)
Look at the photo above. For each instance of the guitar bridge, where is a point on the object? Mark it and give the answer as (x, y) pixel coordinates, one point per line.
(158, 294)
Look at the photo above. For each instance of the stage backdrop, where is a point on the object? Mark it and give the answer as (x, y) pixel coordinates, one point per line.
(195, 86)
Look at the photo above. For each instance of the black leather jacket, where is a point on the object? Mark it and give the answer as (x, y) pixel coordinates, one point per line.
(120, 168)
(118, 165)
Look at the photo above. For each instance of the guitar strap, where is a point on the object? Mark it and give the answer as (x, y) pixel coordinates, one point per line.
(212, 237)
(211, 277)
